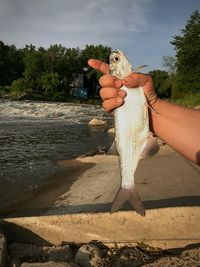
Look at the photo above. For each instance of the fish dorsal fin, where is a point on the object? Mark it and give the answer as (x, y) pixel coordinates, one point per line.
(139, 68)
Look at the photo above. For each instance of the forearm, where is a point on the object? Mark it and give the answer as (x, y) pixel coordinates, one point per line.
(179, 127)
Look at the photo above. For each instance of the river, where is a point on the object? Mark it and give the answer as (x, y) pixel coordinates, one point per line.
(34, 136)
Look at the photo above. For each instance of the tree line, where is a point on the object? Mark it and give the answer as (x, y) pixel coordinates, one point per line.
(48, 73)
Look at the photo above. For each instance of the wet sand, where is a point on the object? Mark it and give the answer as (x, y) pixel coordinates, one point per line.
(38, 200)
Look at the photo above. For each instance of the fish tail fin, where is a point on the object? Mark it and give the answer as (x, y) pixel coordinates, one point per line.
(130, 195)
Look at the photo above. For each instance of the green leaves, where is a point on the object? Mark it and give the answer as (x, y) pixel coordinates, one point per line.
(162, 83)
(11, 64)
(49, 71)
(187, 48)
(49, 82)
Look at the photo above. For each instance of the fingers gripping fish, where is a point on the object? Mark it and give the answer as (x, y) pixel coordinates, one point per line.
(133, 138)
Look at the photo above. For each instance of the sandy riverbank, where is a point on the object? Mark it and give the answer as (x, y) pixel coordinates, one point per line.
(89, 184)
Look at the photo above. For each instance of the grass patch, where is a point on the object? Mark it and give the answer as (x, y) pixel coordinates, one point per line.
(188, 100)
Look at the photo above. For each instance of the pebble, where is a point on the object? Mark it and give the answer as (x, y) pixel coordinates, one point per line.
(89, 255)
(96, 121)
(111, 130)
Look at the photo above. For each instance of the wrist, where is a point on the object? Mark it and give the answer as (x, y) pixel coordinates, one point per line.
(154, 102)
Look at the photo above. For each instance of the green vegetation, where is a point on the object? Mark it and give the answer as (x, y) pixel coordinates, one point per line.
(189, 100)
(48, 73)
(188, 55)
(181, 82)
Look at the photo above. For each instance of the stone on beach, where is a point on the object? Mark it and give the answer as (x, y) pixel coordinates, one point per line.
(54, 253)
(96, 121)
(89, 255)
(111, 130)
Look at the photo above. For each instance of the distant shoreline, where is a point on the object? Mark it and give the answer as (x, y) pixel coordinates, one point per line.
(38, 97)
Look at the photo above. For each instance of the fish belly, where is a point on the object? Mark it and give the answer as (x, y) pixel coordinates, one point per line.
(132, 130)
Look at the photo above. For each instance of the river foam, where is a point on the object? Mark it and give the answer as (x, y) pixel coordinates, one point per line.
(51, 111)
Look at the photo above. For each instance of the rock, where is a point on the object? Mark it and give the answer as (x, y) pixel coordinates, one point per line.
(101, 151)
(97, 151)
(15, 263)
(96, 121)
(60, 253)
(3, 252)
(111, 130)
(49, 264)
(89, 255)
(130, 257)
(55, 253)
(24, 251)
(167, 261)
(191, 255)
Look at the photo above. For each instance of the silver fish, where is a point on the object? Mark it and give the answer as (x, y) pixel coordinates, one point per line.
(132, 136)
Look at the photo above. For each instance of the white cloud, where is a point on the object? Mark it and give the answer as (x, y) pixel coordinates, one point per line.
(74, 23)
(141, 28)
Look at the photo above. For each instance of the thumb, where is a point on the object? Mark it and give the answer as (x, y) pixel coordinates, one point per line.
(99, 65)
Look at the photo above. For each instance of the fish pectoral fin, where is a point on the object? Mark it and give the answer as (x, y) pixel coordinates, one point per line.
(130, 195)
(151, 147)
(113, 149)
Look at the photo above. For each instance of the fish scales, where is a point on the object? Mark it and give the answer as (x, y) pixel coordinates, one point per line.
(132, 129)
(132, 134)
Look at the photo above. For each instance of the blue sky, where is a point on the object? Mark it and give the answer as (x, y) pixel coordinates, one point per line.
(142, 29)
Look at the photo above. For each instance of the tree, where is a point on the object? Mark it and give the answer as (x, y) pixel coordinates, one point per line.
(48, 71)
(92, 76)
(11, 64)
(169, 63)
(161, 82)
(64, 62)
(49, 82)
(34, 67)
(187, 48)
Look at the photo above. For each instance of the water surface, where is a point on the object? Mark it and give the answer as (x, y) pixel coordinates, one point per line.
(34, 136)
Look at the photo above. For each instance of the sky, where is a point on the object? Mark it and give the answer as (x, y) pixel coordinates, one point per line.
(142, 29)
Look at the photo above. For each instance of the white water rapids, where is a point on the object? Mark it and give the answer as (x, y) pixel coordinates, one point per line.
(74, 113)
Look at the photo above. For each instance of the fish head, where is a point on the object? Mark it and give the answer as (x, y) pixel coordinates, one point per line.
(119, 65)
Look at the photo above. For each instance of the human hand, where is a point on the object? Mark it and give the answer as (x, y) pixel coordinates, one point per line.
(112, 95)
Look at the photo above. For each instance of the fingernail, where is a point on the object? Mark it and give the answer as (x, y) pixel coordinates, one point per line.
(122, 93)
(119, 100)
